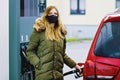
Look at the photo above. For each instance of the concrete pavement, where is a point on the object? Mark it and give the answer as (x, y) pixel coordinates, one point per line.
(78, 51)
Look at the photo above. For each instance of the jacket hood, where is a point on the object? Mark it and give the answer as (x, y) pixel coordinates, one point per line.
(39, 25)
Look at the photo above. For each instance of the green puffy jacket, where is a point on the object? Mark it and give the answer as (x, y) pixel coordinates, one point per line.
(47, 56)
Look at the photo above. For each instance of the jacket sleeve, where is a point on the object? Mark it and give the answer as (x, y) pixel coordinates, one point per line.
(67, 60)
(32, 48)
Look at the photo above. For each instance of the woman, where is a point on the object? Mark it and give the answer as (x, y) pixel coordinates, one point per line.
(46, 49)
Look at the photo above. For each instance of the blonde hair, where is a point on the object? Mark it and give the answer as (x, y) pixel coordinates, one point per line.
(51, 32)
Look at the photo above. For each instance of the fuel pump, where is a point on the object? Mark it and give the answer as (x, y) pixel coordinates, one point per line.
(27, 69)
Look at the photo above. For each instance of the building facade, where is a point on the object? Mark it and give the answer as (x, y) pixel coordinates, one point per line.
(82, 17)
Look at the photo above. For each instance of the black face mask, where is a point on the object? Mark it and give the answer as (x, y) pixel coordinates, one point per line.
(52, 19)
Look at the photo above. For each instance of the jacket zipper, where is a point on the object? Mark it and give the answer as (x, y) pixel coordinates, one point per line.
(53, 58)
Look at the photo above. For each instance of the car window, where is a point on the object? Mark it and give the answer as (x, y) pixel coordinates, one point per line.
(108, 42)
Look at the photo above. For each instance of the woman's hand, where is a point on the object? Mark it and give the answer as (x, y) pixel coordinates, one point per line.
(80, 69)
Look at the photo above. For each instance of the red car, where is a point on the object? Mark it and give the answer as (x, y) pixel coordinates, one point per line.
(103, 61)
